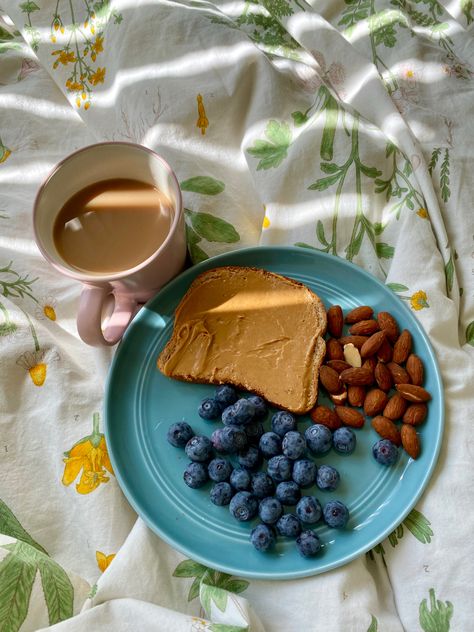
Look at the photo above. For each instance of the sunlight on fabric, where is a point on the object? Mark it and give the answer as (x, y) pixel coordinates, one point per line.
(28, 173)
(18, 245)
(38, 107)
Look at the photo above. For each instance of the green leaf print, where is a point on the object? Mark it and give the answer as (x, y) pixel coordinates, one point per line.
(203, 184)
(279, 8)
(299, 118)
(16, 584)
(189, 568)
(273, 151)
(384, 251)
(466, 6)
(212, 228)
(397, 287)
(58, 590)
(222, 627)
(449, 273)
(438, 617)
(7, 327)
(444, 177)
(470, 334)
(209, 594)
(209, 577)
(327, 142)
(10, 525)
(419, 526)
(14, 285)
(29, 7)
(434, 159)
(374, 626)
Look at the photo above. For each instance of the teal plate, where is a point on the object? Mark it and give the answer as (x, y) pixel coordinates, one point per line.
(141, 404)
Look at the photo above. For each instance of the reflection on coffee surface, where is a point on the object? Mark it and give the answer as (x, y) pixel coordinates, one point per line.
(112, 225)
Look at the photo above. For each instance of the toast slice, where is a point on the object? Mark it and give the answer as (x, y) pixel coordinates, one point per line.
(259, 331)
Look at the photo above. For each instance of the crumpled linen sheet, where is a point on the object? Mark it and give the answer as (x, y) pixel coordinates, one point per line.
(341, 126)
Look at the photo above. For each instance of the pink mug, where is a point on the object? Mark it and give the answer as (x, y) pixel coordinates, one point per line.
(127, 289)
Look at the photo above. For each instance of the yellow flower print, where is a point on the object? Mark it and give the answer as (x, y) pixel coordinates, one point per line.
(97, 46)
(64, 57)
(418, 300)
(90, 458)
(46, 308)
(202, 122)
(198, 625)
(4, 152)
(36, 363)
(103, 560)
(423, 213)
(266, 222)
(98, 76)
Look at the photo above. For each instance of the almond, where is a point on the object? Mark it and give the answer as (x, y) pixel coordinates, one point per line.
(338, 365)
(352, 355)
(395, 408)
(370, 363)
(388, 324)
(330, 379)
(386, 429)
(356, 396)
(375, 401)
(357, 377)
(364, 328)
(339, 398)
(411, 392)
(357, 341)
(335, 321)
(399, 375)
(402, 348)
(373, 344)
(414, 367)
(385, 352)
(364, 312)
(415, 414)
(350, 416)
(383, 377)
(334, 350)
(325, 416)
(410, 440)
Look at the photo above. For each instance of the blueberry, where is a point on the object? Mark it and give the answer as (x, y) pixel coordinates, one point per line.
(288, 493)
(239, 414)
(195, 475)
(308, 543)
(344, 440)
(243, 506)
(219, 470)
(309, 509)
(233, 439)
(279, 467)
(270, 510)
(335, 514)
(216, 440)
(289, 525)
(254, 430)
(318, 439)
(225, 395)
(270, 444)
(221, 493)
(179, 434)
(293, 445)
(209, 409)
(250, 457)
(283, 422)
(262, 537)
(260, 405)
(327, 478)
(385, 452)
(262, 485)
(199, 448)
(304, 472)
(240, 479)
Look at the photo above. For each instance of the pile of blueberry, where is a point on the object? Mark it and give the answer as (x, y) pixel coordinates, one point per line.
(246, 488)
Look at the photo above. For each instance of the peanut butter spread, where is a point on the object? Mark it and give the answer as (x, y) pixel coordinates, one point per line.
(251, 328)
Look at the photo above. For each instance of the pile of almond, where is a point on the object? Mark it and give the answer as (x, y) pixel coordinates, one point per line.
(373, 369)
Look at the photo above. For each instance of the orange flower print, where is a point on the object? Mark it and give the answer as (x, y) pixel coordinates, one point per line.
(419, 300)
(4, 152)
(103, 560)
(98, 76)
(266, 222)
(98, 45)
(423, 213)
(89, 458)
(202, 122)
(36, 363)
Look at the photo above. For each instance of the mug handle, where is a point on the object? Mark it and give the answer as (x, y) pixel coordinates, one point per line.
(89, 317)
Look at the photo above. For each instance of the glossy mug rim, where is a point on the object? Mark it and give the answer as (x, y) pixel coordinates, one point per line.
(115, 276)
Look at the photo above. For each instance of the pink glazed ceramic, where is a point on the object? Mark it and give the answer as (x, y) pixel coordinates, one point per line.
(128, 288)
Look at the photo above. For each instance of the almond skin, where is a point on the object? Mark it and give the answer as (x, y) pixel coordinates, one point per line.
(338, 365)
(335, 321)
(410, 440)
(334, 350)
(350, 416)
(370, 363)
(357, 377)
(357, 341)
(388, 324)
(415, 414)
(325, 416)
(356, 396)
(386, 429)
(383, 377)
(415, 370)
(399, 375)
(395, 408)
(364, 312)
(375, 401)
(330, 379)
(373, 344)
(402, 348)
(385, 352)
(413, 393)
(364, 328)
